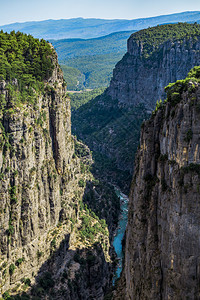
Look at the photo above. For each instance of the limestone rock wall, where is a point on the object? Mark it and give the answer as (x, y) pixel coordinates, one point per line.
(39, 181)
(137, 79)
(162, 259)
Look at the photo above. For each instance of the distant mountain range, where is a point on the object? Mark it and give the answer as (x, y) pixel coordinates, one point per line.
(91, 28)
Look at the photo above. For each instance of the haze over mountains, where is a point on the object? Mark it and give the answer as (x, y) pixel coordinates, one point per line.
(91, 28)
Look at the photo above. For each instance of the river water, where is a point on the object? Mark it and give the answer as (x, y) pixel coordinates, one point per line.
(120, 231)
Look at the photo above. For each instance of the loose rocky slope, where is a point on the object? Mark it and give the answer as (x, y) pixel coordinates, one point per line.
(162, 236)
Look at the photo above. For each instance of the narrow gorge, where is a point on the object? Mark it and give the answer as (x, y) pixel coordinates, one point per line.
(60, 214)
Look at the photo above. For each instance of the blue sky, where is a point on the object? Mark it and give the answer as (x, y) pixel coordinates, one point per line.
(34, 10)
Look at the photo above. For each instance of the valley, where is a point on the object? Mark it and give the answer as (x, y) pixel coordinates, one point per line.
(100, 189)
(92, 60)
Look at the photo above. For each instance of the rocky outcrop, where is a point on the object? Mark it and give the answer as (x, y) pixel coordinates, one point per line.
(162, 237)
(140, 77)
(43, 220)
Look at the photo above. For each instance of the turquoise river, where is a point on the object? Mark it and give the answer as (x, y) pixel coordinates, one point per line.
(120, 231)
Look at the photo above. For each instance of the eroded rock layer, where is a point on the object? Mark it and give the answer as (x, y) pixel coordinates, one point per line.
(154, 58)
(162, 258)
(49, 239)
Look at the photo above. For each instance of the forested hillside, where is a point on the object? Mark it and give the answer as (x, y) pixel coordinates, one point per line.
(152, 38)
(89, 63)
(24, 58)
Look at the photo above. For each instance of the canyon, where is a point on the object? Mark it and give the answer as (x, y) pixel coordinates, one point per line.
(59, 210)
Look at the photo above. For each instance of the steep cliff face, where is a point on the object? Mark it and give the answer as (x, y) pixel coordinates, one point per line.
(162, 237)
(154, 58)
(110, 124)
(44, 223)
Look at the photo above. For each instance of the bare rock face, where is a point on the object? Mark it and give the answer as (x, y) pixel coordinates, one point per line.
(36, 165)
(162, 259)
(41, 189)
(141, 79)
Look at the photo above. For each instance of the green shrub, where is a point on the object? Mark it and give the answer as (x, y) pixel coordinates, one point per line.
(6, 296)
(39, 254)
(11, 269)
(53, 243)
(10, 230)
(163, 157)
(26, 281)
(81, 183)
(19, 261)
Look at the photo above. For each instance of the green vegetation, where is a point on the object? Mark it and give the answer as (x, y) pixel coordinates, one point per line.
(19, 261)
(10, 229)
(26, 59)
(175, 90)
(106, 206)
(13, 198)
(112, 133)
(12, 269)
(23, 296)
(174, 94)
(79, 99)
(81, 183)
(26, 283)
(39, 254)
(53, 243)
(112, 43)
(163, 157)
(96, 69)
(73, 77)
(89, 63)
(100, 200)
(153, 37)
(46, 281)
(158, 105)
(90, 229)
(25, 63)
(191, 168)
(195, 168)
